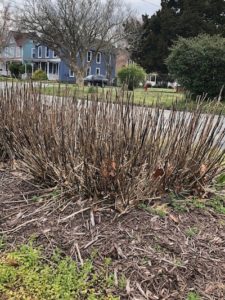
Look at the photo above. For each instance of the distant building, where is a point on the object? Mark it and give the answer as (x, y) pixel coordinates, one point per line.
(122, 59)
(22, 49)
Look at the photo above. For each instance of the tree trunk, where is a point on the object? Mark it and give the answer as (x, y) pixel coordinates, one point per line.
(79, 78)
(79, 74)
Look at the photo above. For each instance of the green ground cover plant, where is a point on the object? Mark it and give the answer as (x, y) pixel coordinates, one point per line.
(26, 274)
(193, 296)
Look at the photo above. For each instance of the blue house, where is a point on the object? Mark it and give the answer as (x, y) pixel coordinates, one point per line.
(22, 49)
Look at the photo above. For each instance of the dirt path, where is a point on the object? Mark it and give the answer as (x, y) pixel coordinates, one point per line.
(163, 257)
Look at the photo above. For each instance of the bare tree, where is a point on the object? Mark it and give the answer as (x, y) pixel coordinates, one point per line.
(134, 32)
(73, 27)
(5, 23)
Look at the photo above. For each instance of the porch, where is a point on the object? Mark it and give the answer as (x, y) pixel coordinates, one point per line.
(50, 68)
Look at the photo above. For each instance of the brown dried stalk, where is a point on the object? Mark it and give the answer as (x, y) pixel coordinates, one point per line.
(110, 149)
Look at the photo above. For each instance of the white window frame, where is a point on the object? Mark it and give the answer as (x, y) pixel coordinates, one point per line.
(11, 51)
(71, 73)
(54, 55)
(7, 52)
(33, 53)
(96, 71)
(18, 51)
(89, 52)
(88, 72)
(98, 61)
(55, 67)
(39, 47)
(47, 50)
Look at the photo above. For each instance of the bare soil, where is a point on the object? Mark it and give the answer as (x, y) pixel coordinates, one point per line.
(161, 257)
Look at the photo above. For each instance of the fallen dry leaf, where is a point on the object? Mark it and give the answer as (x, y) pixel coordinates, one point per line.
(158, 173)
(203, 169)
(174, 218)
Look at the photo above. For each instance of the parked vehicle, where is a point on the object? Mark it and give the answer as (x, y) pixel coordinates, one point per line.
(96, 80)
(160, 81)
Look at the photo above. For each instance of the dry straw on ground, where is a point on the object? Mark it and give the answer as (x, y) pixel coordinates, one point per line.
(100, 149)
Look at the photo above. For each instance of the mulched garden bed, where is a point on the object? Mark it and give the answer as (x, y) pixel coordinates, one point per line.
(161, 257)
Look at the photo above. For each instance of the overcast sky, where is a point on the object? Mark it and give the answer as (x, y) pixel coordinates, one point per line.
(148, 7)
(141, 6)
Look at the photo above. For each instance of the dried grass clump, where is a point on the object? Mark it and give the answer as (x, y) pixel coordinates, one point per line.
(115, 150)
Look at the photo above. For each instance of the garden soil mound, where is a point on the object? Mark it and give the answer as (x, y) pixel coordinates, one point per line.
(161, 257)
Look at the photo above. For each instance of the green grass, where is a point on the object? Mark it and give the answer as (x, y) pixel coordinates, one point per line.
(2, 78)
(216, 203)
(191, 231)
(164, 97)
(193, 296)
(26, 274)
(160, 211)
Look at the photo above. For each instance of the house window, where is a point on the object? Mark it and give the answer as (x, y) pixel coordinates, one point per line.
(18, 51)
(54, 54)
(88, 71)
(71, 73)
(11, 52)
(6, 51)
(53, 68)
(89, 56)
(39, 52)
(46, 52)
(98, 58)
(97, 71)
(33, 52)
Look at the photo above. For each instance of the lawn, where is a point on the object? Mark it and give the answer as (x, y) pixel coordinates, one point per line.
(165, 98)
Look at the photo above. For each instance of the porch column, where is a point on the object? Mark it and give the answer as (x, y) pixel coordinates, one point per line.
(48, 70)
(24, 76)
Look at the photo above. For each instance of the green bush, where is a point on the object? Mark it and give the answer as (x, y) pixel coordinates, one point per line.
(14, 68)
(24, 68)
(39, 75)
(199, 64)
(132, 75)
(17, 69)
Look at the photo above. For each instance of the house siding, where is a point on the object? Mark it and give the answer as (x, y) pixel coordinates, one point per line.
(64, 73)
(27, 57)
